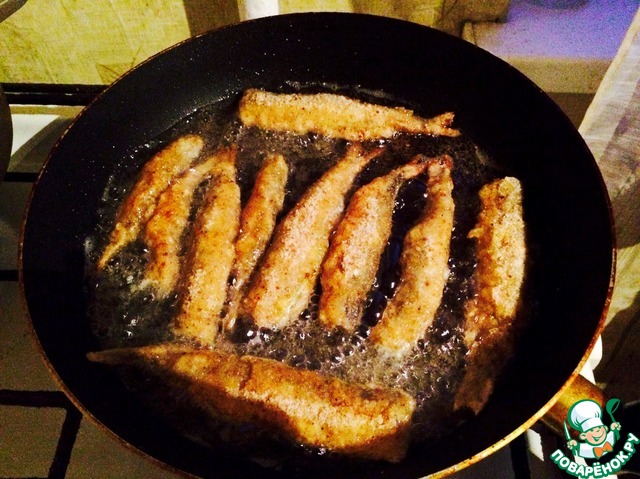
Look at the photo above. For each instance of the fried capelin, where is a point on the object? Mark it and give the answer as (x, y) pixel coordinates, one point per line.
(154, 178)
(491, 314)
(283, 284)
(164, 231)
(211, 254)
(424, 268)
(304, 407)
(257, 223)
(350, 268)
(336, 116)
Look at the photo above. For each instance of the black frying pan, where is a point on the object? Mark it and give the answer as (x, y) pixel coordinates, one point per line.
(566, 209)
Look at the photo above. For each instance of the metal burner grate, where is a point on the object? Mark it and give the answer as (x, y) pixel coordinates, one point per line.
(69, 429)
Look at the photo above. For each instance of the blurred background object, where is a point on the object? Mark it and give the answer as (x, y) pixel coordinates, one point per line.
(86, 41)
(6, 134)
(96, 41)
(564, 46)
(7, 8)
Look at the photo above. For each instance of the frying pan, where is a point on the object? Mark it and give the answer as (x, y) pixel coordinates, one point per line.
(565, 203)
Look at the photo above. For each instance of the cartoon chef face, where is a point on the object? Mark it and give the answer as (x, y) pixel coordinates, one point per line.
(586, 417)
(595, 436)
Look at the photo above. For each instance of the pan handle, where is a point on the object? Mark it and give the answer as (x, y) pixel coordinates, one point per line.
(628, 417)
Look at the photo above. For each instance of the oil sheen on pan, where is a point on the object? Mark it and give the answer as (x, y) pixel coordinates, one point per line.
(371, 276)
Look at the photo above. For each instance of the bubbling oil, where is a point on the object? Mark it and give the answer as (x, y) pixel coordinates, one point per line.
(123, 315)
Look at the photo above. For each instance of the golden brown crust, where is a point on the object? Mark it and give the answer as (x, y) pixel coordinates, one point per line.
(352, 262)
(307, 407)
(490, 316)
(163, 232)
(284, 283)
(211, 254)
(257, 223)
(303, 406)
(424, 267)
(155, 177)
(335, 116)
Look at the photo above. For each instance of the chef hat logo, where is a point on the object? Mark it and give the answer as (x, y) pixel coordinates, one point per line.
(585, 415)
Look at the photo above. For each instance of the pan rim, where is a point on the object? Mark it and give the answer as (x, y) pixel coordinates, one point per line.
(77, 402)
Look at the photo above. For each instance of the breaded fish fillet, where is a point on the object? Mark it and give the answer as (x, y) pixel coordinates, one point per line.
(211, 254)
(424, 269)
(155, 177)
(283, 285)
(335, 116)
(163, 233)
(490, 316)
(350, 268)
(257, 223)
(303, 406)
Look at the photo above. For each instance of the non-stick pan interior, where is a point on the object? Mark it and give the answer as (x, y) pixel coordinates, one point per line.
(566, 209)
